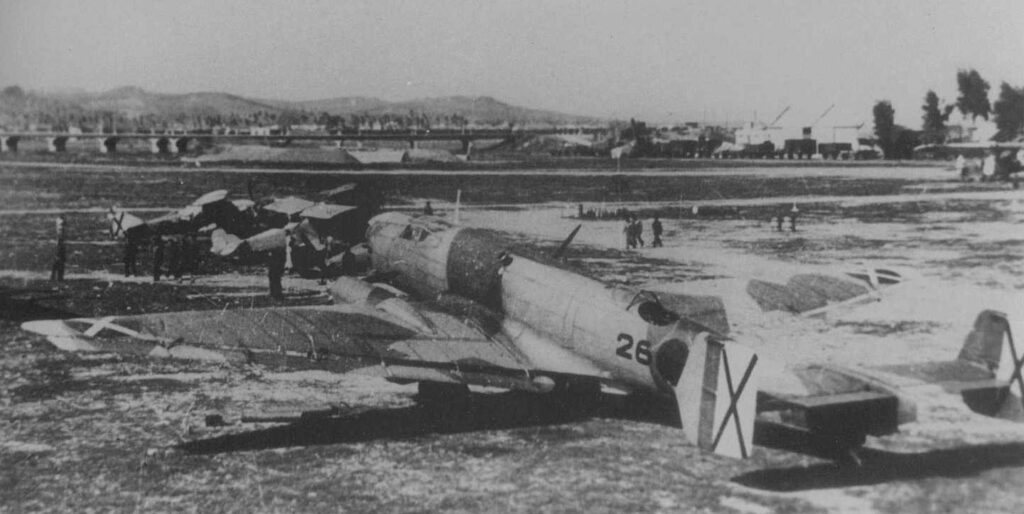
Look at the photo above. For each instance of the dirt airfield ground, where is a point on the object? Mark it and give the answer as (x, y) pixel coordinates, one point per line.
(112, 433)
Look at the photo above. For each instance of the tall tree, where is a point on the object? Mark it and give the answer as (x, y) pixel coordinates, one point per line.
(973, 99)
(935, 117)
(884, 125)
(1009, 112)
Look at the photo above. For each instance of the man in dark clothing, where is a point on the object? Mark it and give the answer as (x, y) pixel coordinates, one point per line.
(190, 254)
(60, 256)
(638, 231)
(275, 270)
(629, 231)
(131, 251)
(656, 229)
(158, 256)
(428, 210)
(174, 257)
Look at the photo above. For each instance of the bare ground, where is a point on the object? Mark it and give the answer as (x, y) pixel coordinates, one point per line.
(113, 433)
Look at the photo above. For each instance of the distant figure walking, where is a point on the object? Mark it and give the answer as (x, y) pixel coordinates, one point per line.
(275, 271)
(656, 229)
(60, 256)
(961, 165)
(158, 256)
(793, 213)
(630, 233)
(638, 231)
(428, 209)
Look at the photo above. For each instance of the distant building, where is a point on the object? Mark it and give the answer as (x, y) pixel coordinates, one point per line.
(271, 130)
(971, 132)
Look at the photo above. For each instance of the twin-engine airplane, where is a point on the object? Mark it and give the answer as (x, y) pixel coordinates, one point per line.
(475, 314)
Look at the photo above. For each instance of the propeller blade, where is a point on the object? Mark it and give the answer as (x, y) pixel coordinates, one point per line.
(565, 244)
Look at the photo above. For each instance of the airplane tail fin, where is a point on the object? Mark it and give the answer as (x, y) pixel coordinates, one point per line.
(990, 344)
(717, 396)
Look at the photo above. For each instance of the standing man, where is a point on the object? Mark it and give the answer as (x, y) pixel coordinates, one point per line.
(325, 256)
(275, 270)
(961, 165)
(793, 213)
(61, 255)
(158, 256)
(174, 256)
(191, 249)
(638, 230)
(657, 230)
(131, 252)
(628, 231)
(428, 209)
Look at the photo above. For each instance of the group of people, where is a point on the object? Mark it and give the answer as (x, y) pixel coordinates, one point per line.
(328, 253)
(634, 232)
(181, 251)
(985, 166)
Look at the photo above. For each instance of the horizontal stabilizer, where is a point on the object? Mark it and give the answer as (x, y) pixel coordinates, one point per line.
(717, 396)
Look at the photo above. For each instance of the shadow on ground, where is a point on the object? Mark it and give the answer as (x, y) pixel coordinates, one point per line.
(877, 466)
(483, 412)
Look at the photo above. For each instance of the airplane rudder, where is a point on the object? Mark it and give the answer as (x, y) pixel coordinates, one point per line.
(984, 343)
(717, 396)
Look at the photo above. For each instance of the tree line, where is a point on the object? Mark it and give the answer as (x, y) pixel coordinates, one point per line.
(898, 142)
(21, 109)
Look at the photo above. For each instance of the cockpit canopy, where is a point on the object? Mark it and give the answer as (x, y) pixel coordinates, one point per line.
(662, 309)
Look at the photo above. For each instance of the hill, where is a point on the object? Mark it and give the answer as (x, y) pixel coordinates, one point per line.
(133, 103)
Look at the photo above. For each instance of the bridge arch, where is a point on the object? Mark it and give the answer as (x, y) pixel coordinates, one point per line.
(159, 145)
(180, 144)
(57, 144)
(9, 144)
(108, 144)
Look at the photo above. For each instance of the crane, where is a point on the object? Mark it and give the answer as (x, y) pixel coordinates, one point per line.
(822, 115)
(777, 118)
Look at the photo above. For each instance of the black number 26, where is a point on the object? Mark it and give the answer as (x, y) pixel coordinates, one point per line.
(642, 353)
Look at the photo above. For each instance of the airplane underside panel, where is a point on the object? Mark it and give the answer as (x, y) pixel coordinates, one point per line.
(300, 338)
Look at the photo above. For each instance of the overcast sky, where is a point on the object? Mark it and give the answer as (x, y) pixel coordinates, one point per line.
(664, 60)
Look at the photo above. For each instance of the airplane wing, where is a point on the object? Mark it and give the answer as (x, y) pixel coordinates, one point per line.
(811, 294)
(335, 338)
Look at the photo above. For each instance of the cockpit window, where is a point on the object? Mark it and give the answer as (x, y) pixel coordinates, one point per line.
(651, 310)
(656, 314)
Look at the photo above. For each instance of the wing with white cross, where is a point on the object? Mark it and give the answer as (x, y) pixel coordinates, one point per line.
(335, 338)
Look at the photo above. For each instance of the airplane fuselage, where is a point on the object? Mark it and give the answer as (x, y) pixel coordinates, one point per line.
(554, 316)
